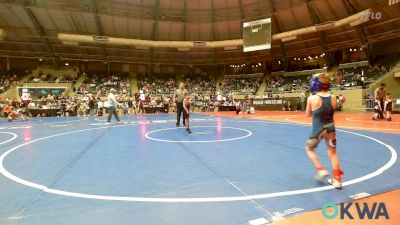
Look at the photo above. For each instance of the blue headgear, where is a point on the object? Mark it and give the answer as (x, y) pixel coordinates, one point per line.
(316, 85)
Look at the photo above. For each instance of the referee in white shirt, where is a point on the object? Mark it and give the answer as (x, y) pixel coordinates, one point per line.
(112, 104)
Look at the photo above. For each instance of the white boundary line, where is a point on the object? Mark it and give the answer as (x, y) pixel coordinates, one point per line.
(273, 116)
(11, 139)
(196, 113)
(103, 118)
(67, 121)
(202, 133)
(345, 127)
(147, 135)
(30, 125)
(354, 119)
(43, 188)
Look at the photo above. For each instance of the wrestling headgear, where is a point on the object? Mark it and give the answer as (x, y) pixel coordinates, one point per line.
(319, 82)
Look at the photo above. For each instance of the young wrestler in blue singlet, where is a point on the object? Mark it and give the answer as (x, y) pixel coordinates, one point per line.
(321, 106)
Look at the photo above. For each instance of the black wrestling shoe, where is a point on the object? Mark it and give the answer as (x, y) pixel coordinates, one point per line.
(177, 124)
(188, 131)
(389, 119)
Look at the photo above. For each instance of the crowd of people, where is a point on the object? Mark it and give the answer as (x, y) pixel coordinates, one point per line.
(5, 83)
(343, 79)
(75, 105)
(100, 83)
(240, 85)
(7, 79)
(160, 85)
(359, 76)
(281, 84)
(200, 85)
(49, 78)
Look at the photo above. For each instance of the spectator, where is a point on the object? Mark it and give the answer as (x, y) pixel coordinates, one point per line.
(380, 95)
(241, 85)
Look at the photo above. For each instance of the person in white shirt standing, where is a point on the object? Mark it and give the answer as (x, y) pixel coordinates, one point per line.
(112, 104)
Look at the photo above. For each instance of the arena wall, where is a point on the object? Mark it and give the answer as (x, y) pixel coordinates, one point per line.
(354, 99)
(10, 94)
(392, 83)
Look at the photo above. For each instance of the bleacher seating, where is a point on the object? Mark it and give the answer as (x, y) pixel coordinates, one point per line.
(100, 83)
(7, 78)
(200, 85)
(352, 77)
(241, 85)
(49, 78)
(287, 84)
(157, 85)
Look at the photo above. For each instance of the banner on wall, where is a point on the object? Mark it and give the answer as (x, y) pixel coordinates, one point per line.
(39, 92)
(268, 102)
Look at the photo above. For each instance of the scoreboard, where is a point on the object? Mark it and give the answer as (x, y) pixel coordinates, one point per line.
(257, 35)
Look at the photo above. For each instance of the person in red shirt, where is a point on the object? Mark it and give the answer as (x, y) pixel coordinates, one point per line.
(186, 112)
(6, 110)
(11, 115)
(388, 107)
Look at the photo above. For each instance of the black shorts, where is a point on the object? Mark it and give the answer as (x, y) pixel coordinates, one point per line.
(327, 132)
(330, 140)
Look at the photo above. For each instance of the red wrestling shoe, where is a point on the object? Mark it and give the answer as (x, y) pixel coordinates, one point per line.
(336, 180)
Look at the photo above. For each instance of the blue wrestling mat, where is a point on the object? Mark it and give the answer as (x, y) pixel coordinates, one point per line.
(146, 171)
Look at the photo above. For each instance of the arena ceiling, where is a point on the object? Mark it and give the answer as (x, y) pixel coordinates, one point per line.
(31, 27)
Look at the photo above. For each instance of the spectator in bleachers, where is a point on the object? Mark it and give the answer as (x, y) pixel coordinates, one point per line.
(241, 85)
(200, 85)
(157, 84)
(99, 83)
(51, 78)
